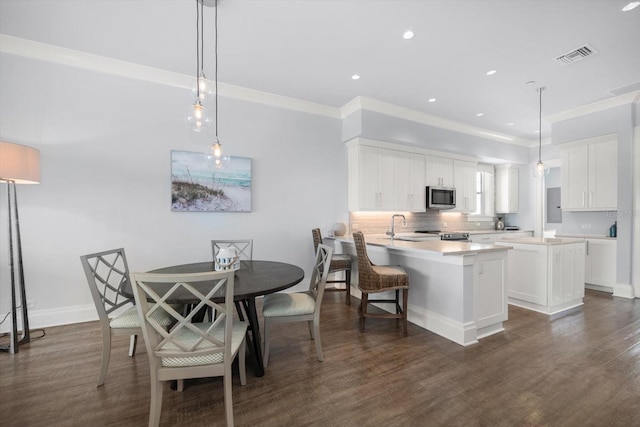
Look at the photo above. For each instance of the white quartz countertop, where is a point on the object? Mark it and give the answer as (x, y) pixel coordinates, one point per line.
(585, 236)
(547, 241)
(442, 247)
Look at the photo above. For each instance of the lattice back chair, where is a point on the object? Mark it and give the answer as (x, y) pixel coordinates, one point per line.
(244, 247)
(107, 274)
(300, 306)
(190, 350)
(380, 278)
(339, 262)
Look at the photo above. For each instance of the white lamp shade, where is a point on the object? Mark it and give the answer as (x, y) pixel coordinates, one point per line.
(19, 163)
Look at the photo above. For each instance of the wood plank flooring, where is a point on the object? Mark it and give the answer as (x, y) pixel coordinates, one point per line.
(578, 370)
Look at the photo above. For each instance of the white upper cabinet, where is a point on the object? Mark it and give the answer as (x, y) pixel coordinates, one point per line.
(382, 179)
(439, 171)
(590, 175)
(507, 182)
(464, 181)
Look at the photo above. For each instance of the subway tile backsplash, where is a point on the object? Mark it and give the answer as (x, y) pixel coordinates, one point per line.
(380, 222)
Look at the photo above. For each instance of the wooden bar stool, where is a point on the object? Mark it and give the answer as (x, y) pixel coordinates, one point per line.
(339, 262)
(380, 278)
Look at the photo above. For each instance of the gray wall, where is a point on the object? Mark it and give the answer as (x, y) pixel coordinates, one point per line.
(620, 120)
(105, 144)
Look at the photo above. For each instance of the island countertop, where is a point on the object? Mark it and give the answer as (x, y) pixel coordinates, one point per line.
(546, 241)
(434, 245)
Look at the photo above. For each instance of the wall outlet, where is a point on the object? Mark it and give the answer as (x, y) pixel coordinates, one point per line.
(354, 226)
(30, 303)
(444, 224)
(477, 224)
(586, 226)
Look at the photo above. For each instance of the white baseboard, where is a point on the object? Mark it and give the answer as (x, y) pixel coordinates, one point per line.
(54, 317)
(623, 290)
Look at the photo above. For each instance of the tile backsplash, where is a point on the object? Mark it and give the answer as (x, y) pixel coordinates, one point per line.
(380, 222)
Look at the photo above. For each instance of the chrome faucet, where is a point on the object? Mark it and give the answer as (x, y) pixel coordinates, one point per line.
(393, 224)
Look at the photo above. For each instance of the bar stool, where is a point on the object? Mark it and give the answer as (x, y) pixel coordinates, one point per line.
(380, 278)
(339, 262)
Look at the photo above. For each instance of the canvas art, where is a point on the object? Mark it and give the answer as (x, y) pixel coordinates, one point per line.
(198, 186)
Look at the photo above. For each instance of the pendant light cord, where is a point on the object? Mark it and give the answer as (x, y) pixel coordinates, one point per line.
(198, 50)
(216, 67)
(540, 127)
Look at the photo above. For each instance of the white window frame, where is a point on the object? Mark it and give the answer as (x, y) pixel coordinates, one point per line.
(488, 193)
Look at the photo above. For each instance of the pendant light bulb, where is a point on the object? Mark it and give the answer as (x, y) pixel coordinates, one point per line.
(216, 149)
(198, 118)
(202, 88)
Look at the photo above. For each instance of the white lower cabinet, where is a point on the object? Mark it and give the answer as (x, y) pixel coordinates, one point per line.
(600, 268)
(548, 278)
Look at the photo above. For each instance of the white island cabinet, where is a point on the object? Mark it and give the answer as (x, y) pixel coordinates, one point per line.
(546, 274)
(456, 289)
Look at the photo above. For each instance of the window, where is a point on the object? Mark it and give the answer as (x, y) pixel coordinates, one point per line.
(485, 191)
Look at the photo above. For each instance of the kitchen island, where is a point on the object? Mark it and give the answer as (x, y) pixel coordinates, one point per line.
(546, 274)
(456, 289)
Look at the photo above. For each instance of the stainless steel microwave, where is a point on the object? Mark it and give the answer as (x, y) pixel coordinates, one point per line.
(441, 198)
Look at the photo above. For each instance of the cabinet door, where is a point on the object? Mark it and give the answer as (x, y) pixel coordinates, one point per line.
(556, 275)
(603, 175)
(575, 178)
(387, 180)
(415, 186)
(464, 181)
(368, 170)
(439, 171)
(600, 266)
(528, 287)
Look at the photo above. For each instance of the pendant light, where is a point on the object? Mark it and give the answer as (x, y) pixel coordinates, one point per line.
(539, 168)
(198, 117)
(219, 159)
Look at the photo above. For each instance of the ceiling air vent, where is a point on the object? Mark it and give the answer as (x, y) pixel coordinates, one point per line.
(577, 54)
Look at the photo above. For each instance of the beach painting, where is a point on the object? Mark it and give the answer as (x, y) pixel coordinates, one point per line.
(198, 186)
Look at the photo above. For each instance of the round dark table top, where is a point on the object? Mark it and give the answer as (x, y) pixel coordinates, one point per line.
(252, 279)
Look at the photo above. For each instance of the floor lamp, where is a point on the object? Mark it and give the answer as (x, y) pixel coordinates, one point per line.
(18, 165)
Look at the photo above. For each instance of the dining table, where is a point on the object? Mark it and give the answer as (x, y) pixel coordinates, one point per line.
(253, 279)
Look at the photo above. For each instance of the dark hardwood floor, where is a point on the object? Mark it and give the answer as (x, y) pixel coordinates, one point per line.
(579, 370)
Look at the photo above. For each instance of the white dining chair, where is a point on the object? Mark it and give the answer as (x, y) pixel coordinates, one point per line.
(299, 306)
(190, 350)
(107, 273)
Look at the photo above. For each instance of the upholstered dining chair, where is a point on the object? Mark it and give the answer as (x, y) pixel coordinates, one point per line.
(380, 278)
(190, 350)
(339, 262)
(107, 272)
(244, 248)
(299, 306)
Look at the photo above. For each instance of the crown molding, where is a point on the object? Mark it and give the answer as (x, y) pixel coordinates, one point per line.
(594, 107)
(74, 58)
(393, 110)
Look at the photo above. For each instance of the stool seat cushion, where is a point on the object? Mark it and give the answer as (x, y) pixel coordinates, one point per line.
(340, 262)
(383, 278)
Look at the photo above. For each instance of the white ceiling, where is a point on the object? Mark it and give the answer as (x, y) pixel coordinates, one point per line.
(309, 49)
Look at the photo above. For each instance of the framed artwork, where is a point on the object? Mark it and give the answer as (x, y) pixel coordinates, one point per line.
(198, 186)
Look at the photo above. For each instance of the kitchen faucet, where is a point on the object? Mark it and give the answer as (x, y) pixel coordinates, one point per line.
(393, 227)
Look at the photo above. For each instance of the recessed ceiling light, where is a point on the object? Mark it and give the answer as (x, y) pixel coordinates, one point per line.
(530, 82)
(355, 76)
(432, 100)
(491, 72)
(537, 131)
(631, 6)
(408, 35)
(510, 124)
(480, 114)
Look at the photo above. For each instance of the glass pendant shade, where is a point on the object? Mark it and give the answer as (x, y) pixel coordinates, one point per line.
(198, 118)
(205, 86)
